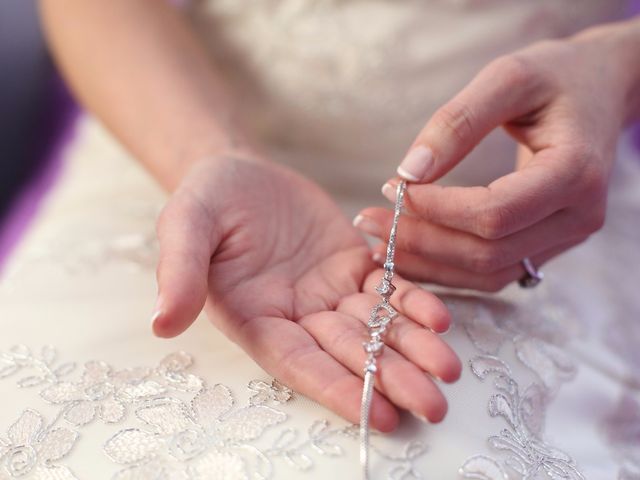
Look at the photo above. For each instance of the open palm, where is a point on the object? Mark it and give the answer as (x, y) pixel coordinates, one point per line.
(286, 276)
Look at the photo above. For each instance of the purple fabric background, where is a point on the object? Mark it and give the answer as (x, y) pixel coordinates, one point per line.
(54, 131)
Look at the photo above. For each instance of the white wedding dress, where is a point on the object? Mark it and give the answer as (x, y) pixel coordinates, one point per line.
(336, 89)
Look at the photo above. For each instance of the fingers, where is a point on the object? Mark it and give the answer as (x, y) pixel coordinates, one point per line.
(470, 252)
(509, 204)
(401, 381)
(187, 242)
(288, 352)
(420, 269)
(418, 344)
(523, 156)
(503, 91)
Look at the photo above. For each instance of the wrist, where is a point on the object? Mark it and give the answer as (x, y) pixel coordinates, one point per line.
(223, 165)
(628, 42)
(210, 151)
(618, 45)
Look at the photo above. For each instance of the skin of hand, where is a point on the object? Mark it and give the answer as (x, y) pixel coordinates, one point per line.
(565, 103)
(287, 277)
(283, 273)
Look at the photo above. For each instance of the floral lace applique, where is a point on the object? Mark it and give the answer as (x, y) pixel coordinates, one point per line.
(31, 448)
(181, 427)
(136, 251)
(274, 392)
(536, 341)
(526, 453)
(195, 440)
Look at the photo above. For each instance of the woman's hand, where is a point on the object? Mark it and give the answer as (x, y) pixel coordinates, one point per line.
(284, 274)
(565, 102)
(287, 277)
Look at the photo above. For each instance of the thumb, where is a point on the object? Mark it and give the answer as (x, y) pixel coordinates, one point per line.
(188, 238)
(503, 91)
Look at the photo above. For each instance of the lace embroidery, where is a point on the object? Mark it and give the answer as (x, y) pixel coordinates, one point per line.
(196, 439)
(264, 392)
(181, 428)
(135, 251)
(536, 343)
(31, 448)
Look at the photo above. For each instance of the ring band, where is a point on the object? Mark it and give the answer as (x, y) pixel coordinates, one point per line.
(532, 276)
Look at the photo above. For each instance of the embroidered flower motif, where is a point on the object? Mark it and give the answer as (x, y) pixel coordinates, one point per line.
(406, 469)
(482, 467)
(275, 392)
(103, 392)
(79, 255)
(95, 395)
(32, 447)
(189, 430)
(535, 343)
(195, 441)
(172, 373)
(536, 340)
(289, 446)
(45, 371)
(528, 455)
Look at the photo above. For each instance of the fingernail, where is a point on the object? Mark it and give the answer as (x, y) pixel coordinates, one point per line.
(366, 225)
(155, 316)
(377, 257)
(389, 192)
(420, 417)
(157, 312)
(417, 164)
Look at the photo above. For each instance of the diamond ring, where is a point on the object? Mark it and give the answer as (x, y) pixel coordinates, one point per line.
(532, 276)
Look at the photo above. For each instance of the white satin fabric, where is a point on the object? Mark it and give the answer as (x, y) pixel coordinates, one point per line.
(550, 388)
(351, 82)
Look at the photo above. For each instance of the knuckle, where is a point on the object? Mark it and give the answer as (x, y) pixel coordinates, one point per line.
(514, 69)
(594, 185)
(413, 244)
(400, 335)
(486, 259)
(495, 222)
(457, 119)
(587, 174)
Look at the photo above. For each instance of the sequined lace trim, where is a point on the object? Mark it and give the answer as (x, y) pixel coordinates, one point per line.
(521, 451)
(182, 428)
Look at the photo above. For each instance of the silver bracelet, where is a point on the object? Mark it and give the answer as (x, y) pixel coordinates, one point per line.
(380, 318)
